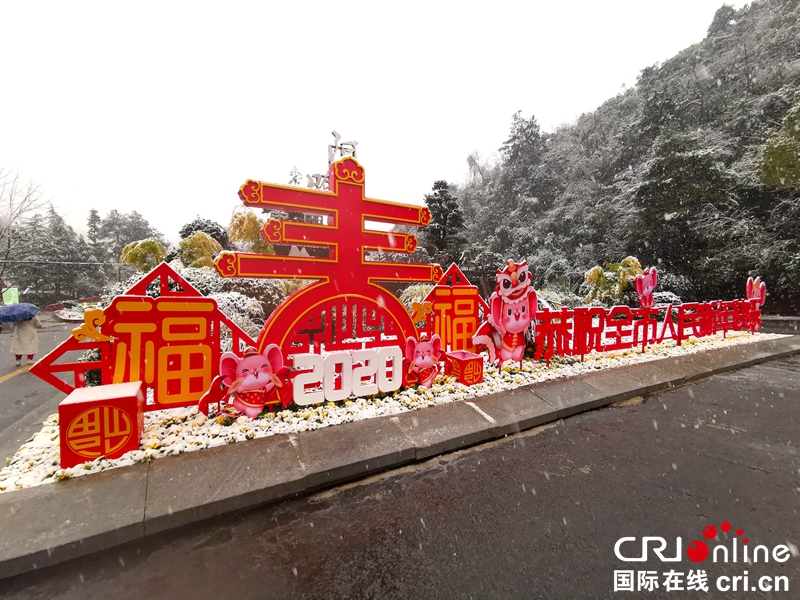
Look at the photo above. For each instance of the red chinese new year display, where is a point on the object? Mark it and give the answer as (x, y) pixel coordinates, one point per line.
(756, 290)
(465, 366)
(344, 335)
(100, 421)
(576, 332)
(170, 343)
(422, 361)
(256, 380)
(345, 309)
(452, 310)
(645, 284)
(513, 305)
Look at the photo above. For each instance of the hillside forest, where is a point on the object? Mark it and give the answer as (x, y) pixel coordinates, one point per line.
(694, 170)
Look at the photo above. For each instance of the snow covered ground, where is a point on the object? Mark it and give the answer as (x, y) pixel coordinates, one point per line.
(174, 431)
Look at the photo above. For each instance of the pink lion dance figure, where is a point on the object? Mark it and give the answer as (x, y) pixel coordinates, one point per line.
(645, 284)
(756, 290)
(512, 309)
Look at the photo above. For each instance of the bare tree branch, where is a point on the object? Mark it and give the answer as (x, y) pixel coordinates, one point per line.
(19, 201)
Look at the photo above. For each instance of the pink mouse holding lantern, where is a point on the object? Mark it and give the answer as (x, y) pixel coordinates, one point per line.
(513, 307)
(645, 284)
(421, 363)
(256, 380)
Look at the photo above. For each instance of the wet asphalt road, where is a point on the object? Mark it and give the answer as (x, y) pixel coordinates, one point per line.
(22, 393)
(534, 516)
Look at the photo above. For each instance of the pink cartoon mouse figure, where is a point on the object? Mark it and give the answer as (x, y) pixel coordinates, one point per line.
(756, 290)
(256, 380)
(513, 307)
(421, 363)
(645, 284)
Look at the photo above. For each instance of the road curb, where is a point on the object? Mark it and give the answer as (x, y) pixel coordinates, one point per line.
(49, 524)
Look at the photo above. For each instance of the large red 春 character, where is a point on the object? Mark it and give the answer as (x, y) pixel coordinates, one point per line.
(345, 309)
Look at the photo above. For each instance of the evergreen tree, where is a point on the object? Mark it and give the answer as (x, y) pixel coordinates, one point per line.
(444, 236)
(780, 165)
(31, 273)
(523, 156)
(120, 229)
(112, 230)
(66, 276)
(93, 224)
(680, 182)
(207, 226)
(97, 253)
(55, 267)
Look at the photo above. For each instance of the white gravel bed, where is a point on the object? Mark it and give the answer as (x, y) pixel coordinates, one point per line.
(175, 431)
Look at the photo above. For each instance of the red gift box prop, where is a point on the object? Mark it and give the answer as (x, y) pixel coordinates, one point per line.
(105, 420)
(465, 366)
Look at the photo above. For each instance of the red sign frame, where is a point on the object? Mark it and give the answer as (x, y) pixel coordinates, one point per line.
(345, 308)
(170, 343)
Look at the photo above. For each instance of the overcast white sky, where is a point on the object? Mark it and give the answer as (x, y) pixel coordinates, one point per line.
(168, 107)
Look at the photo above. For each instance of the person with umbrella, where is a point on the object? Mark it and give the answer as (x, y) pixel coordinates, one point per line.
(26, 323)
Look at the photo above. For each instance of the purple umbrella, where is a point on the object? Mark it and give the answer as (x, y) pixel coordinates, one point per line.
(11, 313)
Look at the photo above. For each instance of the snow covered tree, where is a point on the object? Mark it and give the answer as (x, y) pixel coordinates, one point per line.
(199, 249)
(96, 249)
(780, 165)
(144, 255)
(120, 229)
(58, 265)
(245, 230)
(31, 272)
(680, 181)
(20, 203)
(724, 18)
(93, 224)
(207, 226)
(65, 255)
(523, 149)
(524, 173)
(444, 236)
